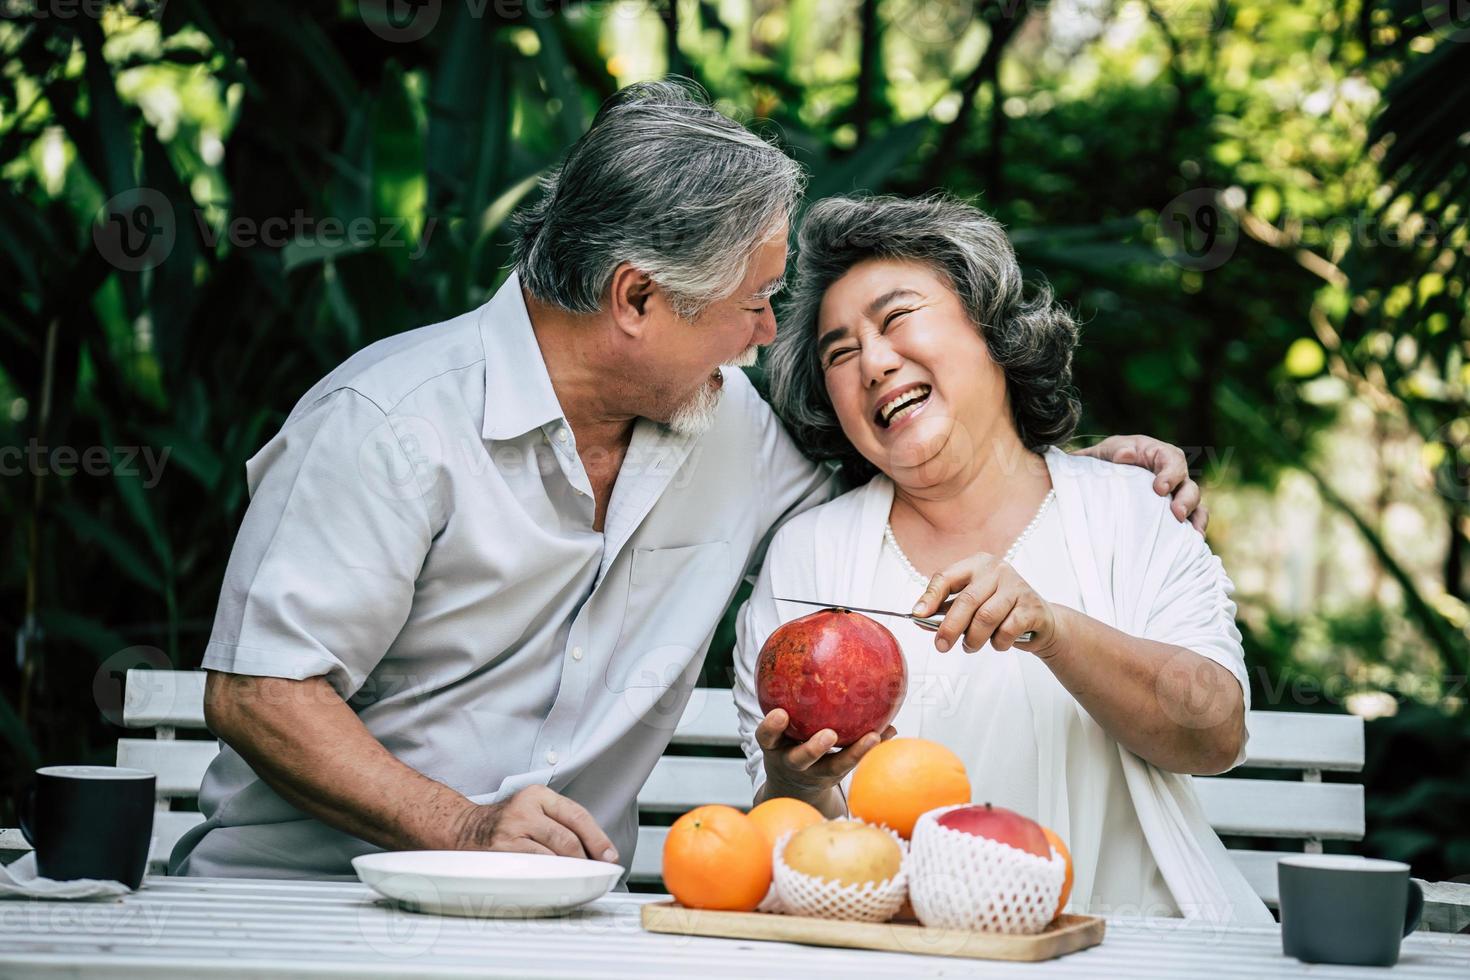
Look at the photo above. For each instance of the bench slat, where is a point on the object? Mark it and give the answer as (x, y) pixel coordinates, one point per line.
(1298, 740)
(1446, 906)
(709, 718)
(168, 827)
(174, 698)
(1271, 808)
(1278, 808)
(648, 859)
(1259, 869)
(1268, 808)
(178, 764)
(1279, 739)
(680, 783)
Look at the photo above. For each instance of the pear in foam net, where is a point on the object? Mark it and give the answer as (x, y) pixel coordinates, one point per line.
(841, 869)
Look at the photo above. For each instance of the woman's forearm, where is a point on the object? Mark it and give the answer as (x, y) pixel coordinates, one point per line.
(828, 801)
(1173, 707)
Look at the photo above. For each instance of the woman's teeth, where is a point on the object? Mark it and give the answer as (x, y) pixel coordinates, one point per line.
(908, 409)
(904, 405)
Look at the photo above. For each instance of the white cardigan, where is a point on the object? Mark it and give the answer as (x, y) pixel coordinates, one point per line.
(1139, 569)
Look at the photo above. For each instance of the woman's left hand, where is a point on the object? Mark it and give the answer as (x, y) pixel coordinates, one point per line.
(994, 603)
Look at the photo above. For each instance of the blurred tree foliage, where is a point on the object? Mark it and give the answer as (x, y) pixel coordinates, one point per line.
(1257, 208)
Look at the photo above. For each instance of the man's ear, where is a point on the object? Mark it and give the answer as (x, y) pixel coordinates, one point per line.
(629, 298)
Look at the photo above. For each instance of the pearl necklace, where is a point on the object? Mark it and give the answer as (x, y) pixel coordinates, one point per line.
(1010, 554)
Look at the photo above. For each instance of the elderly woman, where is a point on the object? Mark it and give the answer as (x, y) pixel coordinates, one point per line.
(916, 360)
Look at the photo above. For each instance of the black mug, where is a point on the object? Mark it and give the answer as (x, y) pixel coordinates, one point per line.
(91, 822)
(1336, 908)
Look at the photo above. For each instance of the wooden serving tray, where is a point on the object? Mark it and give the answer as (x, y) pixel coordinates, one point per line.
(1067, 934)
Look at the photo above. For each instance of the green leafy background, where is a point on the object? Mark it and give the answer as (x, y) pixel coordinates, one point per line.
(1320, 368)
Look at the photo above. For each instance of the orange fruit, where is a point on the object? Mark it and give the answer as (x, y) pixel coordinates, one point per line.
(904, 777)
(1051, 835)
(716, 857)
(784, 813)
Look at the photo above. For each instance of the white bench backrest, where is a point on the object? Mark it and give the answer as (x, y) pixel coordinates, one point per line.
(1305, 809)
(1279, 739)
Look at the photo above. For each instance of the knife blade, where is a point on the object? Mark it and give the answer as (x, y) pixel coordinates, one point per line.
(930, 623)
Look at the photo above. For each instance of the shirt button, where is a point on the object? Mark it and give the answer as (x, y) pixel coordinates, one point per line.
(551, 757)
(576, 653)
(561, 435)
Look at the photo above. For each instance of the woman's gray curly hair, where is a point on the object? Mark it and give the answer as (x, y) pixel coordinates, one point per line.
(1029, 335)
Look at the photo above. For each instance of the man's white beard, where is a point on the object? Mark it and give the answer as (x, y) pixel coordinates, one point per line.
(695, 416)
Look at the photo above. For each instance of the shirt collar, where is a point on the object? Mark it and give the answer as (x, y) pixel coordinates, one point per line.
(518, 392)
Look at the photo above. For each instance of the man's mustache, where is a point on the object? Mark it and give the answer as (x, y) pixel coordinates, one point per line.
(746, 358)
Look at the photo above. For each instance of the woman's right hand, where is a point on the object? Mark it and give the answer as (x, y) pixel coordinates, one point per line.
(808, 770)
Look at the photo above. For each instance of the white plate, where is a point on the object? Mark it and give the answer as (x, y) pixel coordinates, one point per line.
(486, 883)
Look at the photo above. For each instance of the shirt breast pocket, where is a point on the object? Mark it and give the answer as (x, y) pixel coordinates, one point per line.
(675, 599)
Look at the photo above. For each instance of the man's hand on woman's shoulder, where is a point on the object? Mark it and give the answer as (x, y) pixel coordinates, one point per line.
(1169, 466)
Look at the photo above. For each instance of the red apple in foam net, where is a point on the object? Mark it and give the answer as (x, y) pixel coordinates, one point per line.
(998, 824)
(832, 669)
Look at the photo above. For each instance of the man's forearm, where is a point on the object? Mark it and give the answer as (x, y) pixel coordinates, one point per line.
(313, 750)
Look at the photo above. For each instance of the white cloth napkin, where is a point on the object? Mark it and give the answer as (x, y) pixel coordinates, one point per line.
(20, 880)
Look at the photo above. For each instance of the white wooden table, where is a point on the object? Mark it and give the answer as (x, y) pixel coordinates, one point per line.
(248, 928)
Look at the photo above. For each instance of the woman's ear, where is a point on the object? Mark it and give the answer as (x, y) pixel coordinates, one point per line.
(630, 293)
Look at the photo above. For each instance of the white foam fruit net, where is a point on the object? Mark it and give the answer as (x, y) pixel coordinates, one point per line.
(772, 901)
(960, 881)
(797, 893)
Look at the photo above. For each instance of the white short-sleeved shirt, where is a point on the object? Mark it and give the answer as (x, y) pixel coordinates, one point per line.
(981, 706)
(420, 532)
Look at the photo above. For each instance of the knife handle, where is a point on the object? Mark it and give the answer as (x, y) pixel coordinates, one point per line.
(931, 624)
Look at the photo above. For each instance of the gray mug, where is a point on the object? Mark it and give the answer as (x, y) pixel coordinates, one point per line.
(1336, 908)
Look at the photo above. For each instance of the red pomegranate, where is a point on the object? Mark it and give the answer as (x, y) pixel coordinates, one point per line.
(832, 669)
(999, 824)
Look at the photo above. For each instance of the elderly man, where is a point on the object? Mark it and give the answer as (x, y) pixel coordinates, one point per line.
(483, 560)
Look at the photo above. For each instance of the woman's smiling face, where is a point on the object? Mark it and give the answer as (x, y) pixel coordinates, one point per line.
(909, 376)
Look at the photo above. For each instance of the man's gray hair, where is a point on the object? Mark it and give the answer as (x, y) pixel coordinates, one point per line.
(663, 181)
(1029, 335)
